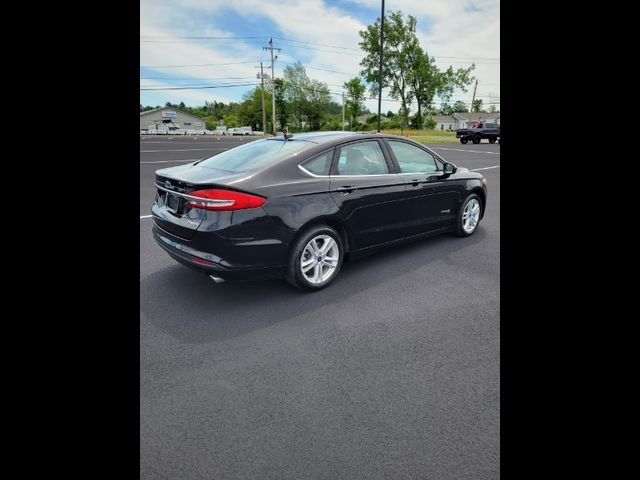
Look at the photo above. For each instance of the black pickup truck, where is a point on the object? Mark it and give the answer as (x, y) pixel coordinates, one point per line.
(478, 131)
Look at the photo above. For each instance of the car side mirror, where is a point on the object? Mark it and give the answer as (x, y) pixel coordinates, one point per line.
(449, 168)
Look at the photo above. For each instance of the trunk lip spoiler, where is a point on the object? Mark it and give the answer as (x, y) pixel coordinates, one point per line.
(199, 199)
(184, 195)
(191, 197)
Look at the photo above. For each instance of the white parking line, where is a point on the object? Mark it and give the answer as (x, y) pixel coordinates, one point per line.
(145, 216)
(183, 150)
(463, 150)
(483, 168)
(175, 161)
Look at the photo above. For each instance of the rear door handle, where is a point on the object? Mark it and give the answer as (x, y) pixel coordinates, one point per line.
(345, 189)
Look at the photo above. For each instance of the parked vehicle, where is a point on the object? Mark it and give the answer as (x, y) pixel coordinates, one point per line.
(297, 206)
(239, 131)
(166, 129)
(478, 131)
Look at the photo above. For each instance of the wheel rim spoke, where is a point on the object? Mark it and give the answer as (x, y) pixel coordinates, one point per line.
(314, 246)
(326, 246)
(317, 273)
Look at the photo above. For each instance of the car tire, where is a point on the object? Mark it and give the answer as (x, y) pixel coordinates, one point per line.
(476, 139)
(303, 251)
(464, 141)
(463, 225)
(492, 140)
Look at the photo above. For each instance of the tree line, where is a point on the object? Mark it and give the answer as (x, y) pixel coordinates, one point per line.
(305, 104)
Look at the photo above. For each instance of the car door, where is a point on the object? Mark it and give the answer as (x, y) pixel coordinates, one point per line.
(433, 198)
(369, 193)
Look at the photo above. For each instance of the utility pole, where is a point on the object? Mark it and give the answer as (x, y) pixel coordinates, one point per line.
(273, 84)
(473, 99)
(264, 113)
(342, 111)
(381, 57)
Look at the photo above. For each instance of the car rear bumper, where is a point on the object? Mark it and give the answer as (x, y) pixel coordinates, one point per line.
(209, 263)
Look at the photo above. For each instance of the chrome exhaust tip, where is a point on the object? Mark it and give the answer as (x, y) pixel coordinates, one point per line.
(216, 279)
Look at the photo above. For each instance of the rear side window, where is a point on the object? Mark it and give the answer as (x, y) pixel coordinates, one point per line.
(412, 159)
(254, 155)
(364, 158)
(320, 164)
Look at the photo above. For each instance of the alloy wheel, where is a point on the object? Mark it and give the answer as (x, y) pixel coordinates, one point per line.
(471, 215)
(319, 259)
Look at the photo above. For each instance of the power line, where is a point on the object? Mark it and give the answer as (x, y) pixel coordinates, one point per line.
(188, 42)
(289, 40)
(437, 59)
(201, 38)
(193, 65)
(195, 78)
(359, 50)
(318, 68)
(315, 43)
(203, 87)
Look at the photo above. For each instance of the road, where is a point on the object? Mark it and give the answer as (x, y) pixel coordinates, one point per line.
(390, 372)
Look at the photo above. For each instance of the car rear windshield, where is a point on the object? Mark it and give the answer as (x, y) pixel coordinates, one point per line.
(253, 155)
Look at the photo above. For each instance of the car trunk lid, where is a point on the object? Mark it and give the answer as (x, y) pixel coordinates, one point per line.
(171, 210)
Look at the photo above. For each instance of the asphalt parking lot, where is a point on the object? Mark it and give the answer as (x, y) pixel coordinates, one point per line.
(390, 372)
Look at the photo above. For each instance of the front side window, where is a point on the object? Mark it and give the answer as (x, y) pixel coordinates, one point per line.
(412, 159)
(364, 158)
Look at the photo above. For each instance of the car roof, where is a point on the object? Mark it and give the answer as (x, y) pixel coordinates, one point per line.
(322, 138)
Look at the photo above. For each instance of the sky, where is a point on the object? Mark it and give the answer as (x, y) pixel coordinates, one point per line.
(321, 34)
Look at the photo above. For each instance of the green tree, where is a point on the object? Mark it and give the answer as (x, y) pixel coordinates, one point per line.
(493, 108)
(231, 120)
(430, 123)
(308, 99)
(354, 98)
(427, 81)
(477, 105)
(460, 106)
(282, 116)
(446, 109)
(399, 41)
(408, 70)
(319, 103)
(333, 123)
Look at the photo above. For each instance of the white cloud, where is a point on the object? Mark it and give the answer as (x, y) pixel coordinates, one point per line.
(446, 28)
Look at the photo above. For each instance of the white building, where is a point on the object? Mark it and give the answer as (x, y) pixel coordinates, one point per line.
(170, 115)
(444, 122)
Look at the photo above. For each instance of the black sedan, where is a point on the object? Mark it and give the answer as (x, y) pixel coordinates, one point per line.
(297, 206)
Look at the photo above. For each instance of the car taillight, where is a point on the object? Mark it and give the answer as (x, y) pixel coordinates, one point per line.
(216, 199)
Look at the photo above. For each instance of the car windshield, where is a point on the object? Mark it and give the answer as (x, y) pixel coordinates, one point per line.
(253, 156)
